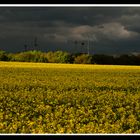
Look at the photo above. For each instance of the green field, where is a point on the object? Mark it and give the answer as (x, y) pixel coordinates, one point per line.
(69, 98)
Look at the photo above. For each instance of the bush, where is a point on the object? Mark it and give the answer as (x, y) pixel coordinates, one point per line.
(83, 59)
(30, 56)
(3, 56)
(62, 57)
(59, 57)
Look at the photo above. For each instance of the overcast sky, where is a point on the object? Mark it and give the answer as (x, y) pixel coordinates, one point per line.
(110, 30)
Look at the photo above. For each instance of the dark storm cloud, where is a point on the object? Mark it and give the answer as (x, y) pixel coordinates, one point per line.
(73, 15)
(109, 28)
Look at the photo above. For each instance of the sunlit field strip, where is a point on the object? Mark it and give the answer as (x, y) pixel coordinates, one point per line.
(55, 65)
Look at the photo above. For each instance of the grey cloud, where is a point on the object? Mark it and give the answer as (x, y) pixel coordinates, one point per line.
(54, 26)
(70, 15)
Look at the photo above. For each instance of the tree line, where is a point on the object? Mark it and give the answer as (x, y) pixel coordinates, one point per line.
(65, 57)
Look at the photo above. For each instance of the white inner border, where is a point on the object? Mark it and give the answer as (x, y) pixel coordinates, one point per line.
(69, 5)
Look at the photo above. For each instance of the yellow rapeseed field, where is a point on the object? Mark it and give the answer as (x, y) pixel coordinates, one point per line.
(69, 98)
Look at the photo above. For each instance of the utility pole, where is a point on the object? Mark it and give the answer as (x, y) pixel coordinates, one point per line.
(35, 43)
(90, 39)
(88, 45)
(25, 47)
